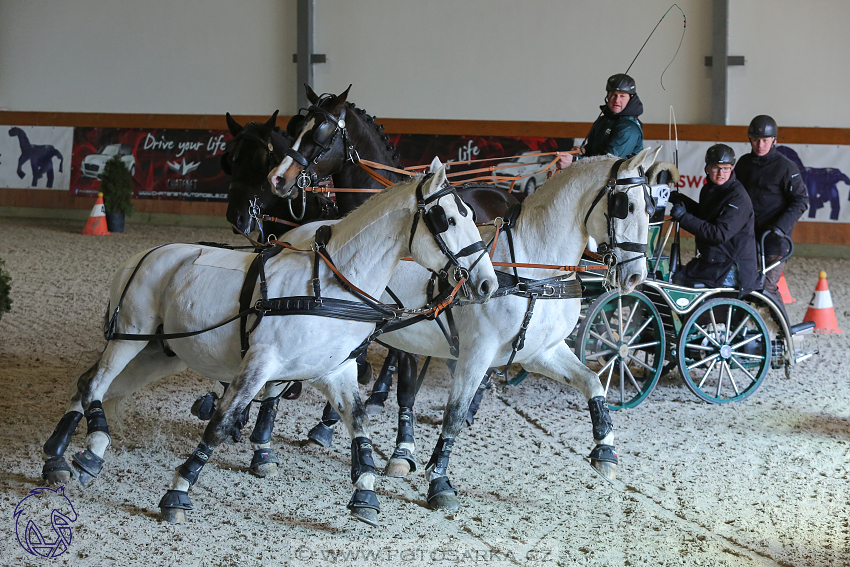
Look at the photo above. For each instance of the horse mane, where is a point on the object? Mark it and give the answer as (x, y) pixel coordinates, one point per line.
(379, 128)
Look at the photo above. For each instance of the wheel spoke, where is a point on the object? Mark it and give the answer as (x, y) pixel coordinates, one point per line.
(705, 376)
(620, 316)
(596, 335)
(706, 335)
(642, 327)
(739, 365)
(641, 363)
(604, 317)
(598, 354)
(632, 379)
(622, 383)
(747, 355)
(736, 346)
(738, 328)
(701, 347)
(629, 320)
(643, 346)
(705, 360)
(720, 380)
(728, 324)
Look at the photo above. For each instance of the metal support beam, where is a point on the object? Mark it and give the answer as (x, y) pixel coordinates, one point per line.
(304, 57)
(719, 52)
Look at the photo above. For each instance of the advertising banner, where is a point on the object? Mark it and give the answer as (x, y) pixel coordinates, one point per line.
(35, 157)
(164, 163)
(824, 169)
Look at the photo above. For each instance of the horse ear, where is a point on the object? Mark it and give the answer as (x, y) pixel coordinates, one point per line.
(657, 168)
(439, 179)
(232, 124)
(435, 165)
(340, 99)
(311, 96)
(270, 123)
(644, 158)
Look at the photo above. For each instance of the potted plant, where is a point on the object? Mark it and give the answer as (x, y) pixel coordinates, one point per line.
(116, 184)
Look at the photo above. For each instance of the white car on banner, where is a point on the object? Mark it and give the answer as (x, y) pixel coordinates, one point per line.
(93, 164)
(529, 164)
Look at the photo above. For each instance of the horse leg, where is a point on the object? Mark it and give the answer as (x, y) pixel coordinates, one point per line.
(381, 388)
(340, 387)
(264, 462)
(402, 461)
(92, 387)
(257, 366)
(322, 434)
(471, 364)
(364, 369)
(561, 364)
(485, 385)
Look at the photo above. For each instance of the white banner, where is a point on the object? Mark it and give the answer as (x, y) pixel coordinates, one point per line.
(35, 157)
(825, 170)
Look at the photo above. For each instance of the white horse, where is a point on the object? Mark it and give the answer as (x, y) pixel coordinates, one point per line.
(552, 228)
(179, 288)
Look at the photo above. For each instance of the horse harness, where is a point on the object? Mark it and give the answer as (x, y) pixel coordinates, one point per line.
(367, 309)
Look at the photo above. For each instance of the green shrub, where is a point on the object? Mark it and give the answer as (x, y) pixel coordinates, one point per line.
(5, 289)
(116, 184)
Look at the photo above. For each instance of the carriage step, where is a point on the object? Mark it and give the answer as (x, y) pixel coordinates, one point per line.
(804, 328)
(800, 355)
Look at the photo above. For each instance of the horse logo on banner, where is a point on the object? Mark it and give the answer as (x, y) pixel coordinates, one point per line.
(40, 158)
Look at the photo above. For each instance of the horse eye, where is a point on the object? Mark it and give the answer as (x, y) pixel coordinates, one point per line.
(452, 221)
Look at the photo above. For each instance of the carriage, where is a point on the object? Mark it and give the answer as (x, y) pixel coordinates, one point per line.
(723, 345)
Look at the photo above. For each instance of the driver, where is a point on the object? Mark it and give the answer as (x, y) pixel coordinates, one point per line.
(722, 223)
(617, 131)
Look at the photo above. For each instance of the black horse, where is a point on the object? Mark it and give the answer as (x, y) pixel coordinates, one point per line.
(248, 158)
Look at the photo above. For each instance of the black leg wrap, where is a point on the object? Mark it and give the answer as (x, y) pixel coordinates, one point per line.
(263, 457)
(329, 415)
(361, 458)
(405, 426)
(54, 465)
(204, 406)
(364, 499)
(364, 370)
(292, 391)
(599, 416)
(385, 378)
(439, 486)
(176, 499)
(476, 399)
(88, 462)
(265, 421)
(322, 434)
(439, 462)
(61, 436)
(95, 419)
(405, 454)
(604, 453)
(191, 469)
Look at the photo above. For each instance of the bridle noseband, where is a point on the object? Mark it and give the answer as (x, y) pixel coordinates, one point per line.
(618, 207)
(324, 136)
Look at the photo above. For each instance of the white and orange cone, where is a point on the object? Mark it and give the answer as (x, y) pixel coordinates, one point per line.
(96, 224)
(787, 299)
(820, 308)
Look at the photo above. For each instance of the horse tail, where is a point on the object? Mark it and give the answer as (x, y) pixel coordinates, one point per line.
(56, 153)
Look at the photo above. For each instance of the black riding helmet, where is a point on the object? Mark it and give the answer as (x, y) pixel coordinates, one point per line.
(762, 126)
(621, 82)
(720, 153)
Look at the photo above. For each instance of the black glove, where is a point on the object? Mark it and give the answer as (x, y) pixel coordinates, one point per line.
(776, 230)
(678, 211)
(675, 197)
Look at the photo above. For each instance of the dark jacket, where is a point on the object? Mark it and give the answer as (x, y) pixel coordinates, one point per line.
(776, 190)
(722, 223)
(618, 134)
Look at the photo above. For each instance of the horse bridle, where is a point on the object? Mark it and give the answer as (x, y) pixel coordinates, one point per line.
(437, 222)
(324, 135)
(618, 207)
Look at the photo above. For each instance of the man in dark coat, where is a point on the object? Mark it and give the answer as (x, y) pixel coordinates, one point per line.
(617, 131)
(776, 190)
(722, 223)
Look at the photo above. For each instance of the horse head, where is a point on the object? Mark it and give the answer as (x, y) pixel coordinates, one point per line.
(248, 158)
(330, 137)
(451, 245)
(618, 219)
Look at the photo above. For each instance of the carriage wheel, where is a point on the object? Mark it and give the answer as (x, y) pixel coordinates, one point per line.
(724, 351)
(622, 340)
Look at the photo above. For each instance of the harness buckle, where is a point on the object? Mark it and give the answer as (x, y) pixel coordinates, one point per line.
(304, 179)
(548, 290)
(258, 306)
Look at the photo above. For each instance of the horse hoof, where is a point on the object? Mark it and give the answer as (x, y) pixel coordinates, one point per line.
(366, 515)
(84, 478)
(56, 471)
(606, 469)
(265, 470)
(57, 477)
(446, 501)
(397, 468)
(321, 435)
(373, 410)
(173, 515)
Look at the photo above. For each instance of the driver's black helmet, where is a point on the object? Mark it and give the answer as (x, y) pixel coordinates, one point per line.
(620, 82)
(720, 153)
(762, 126)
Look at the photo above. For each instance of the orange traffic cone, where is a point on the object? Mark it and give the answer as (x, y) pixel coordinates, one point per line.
(820, 308)
(97, 219)
(784, 291)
